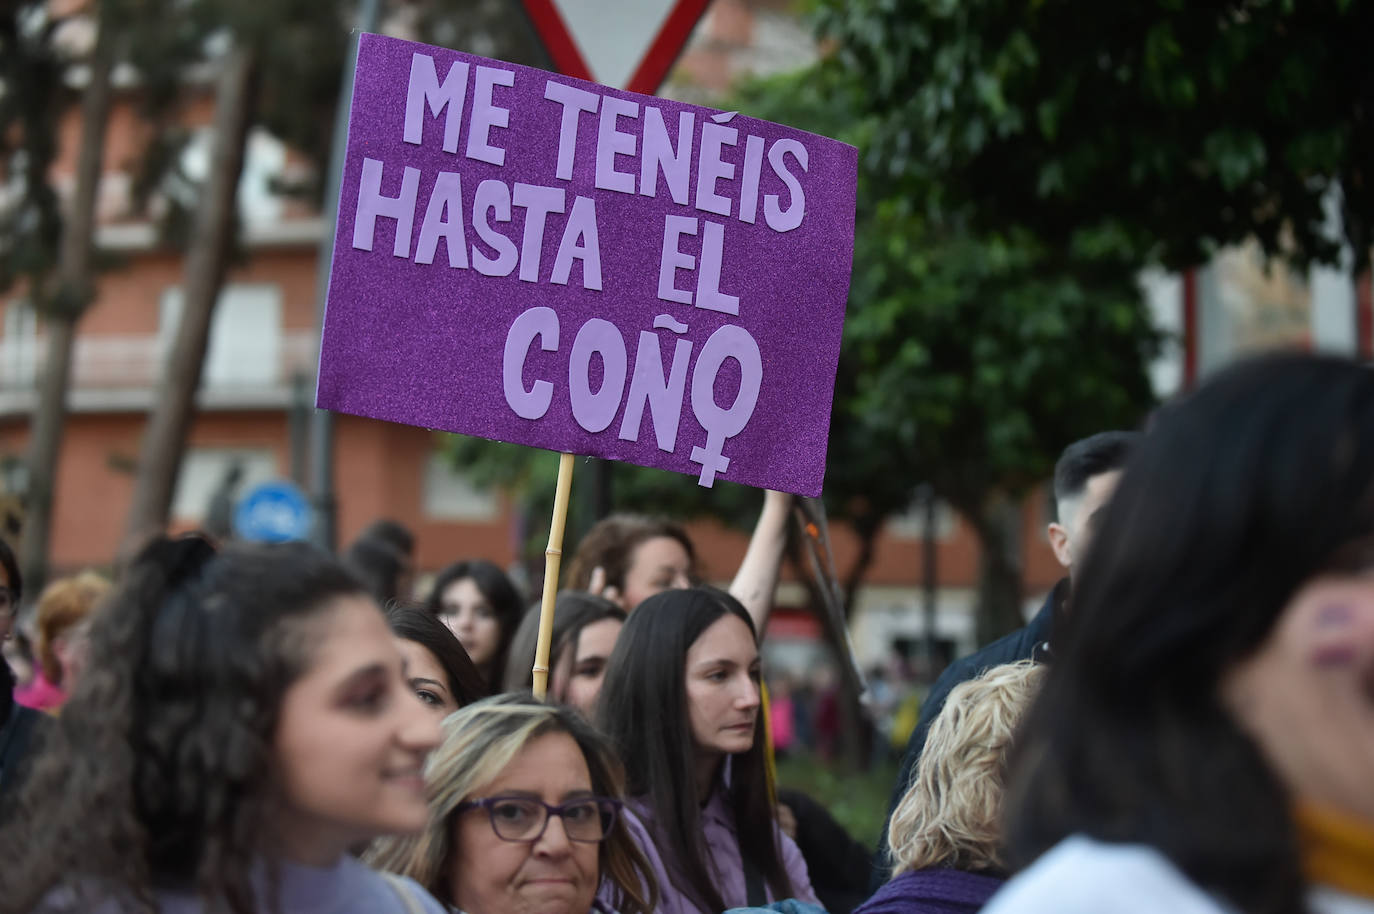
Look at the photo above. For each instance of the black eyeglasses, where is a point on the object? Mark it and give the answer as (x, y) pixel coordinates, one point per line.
(587, 819)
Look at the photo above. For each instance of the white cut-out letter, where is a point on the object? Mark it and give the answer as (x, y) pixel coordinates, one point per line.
(424, 89)
(595, 411)
(711, 168)
(536, 323)
(492, 196)
(674, 227)
(657, 154)
(444, 219)
(538, 202)
(580, 242)
(647, 385)
(749, 187)
(611, 142)
(371, 205)
(574, 102)
(486, 114)
(784, 220)
(729, 342)
(708, 277)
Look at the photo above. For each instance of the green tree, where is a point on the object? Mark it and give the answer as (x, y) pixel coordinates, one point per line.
(971, 357)
(1150, 130)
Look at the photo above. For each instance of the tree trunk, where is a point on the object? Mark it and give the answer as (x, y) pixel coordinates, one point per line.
(998, 526)
(164, 440)
(73, 295)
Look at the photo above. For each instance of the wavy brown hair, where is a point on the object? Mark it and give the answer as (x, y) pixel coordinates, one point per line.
(158, 773)
(611, 543)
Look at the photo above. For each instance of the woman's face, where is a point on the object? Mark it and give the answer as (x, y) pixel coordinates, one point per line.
(723, 688)
(656, 565)
(427, 678)
(551, 875)
(578, 679)
(1307, 695)
(472, 619)
(351, 739)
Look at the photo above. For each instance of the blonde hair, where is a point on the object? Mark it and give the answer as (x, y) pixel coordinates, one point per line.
(63, 605)
(950, 814)
(480, 740)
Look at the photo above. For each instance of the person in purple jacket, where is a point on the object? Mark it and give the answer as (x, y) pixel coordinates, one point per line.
(242, 723)
(944, 836)
(680, 703)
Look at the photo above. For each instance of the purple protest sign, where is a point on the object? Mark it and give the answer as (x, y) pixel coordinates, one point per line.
(537, 259)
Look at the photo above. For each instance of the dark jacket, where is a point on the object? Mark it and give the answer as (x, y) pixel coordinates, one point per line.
(1025, 643)
(933, 892)
(20, 730)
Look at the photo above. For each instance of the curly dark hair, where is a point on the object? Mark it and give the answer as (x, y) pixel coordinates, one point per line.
(157, 774)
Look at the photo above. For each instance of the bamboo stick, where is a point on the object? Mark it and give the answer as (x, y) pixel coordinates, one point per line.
(553, 559)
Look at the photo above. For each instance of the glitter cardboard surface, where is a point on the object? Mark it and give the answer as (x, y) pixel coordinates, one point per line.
(582, 269)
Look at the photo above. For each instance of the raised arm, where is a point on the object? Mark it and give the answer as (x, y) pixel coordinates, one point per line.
(757, 577)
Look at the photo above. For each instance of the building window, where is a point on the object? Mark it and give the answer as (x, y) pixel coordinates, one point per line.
(448, 495)
(204, 471)
(19, 346)
(911, 523)
(245, 348)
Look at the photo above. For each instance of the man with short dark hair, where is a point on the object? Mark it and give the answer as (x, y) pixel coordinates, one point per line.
(1084, 478)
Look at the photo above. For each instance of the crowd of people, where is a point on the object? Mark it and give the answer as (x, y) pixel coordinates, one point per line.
(1186, 726)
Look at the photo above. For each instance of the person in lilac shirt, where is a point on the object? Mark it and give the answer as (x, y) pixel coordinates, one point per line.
(945, 838)
(243, 721)
(681, 704)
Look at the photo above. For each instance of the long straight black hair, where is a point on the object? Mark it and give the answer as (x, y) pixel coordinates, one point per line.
(643, 708)
(499, 591)
(1238, 495)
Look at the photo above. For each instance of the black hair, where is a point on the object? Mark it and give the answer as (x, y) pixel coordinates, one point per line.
(413, 622)
(573, 611)
(498, 591)
(1089, 457)
(11, 566)
(393, 533)
(159, 771)
(643, 709)
(1237, 496)
(379, 565)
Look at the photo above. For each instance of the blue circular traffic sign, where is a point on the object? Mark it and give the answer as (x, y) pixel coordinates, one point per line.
(273, 512)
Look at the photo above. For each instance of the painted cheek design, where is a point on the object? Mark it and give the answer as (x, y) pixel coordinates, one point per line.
(1334, 650)
(1327, 656)
(1334, 616)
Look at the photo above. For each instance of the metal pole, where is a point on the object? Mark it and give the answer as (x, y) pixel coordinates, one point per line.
(929, 571)
(322, 420)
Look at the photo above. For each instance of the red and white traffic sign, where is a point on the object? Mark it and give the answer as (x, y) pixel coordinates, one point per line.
(628, 44)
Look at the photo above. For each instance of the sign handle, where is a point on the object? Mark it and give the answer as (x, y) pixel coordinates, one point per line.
(553, 559)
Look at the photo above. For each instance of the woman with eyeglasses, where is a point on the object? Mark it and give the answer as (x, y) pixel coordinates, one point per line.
(681, 705)
(525, 816)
